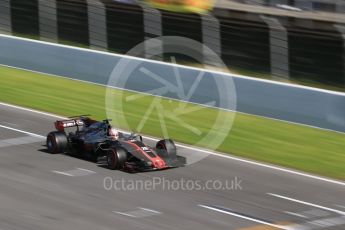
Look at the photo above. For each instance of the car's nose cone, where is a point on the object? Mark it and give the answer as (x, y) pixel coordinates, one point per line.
(159, 163)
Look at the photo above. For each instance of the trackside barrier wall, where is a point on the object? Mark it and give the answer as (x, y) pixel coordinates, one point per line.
(321, 108)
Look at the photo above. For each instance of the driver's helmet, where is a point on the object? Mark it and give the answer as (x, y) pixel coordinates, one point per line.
(114, 134)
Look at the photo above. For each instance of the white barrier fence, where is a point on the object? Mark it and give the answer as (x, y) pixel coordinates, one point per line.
(304, 105)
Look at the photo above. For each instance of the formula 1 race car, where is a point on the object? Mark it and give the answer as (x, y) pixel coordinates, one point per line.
(92, 139)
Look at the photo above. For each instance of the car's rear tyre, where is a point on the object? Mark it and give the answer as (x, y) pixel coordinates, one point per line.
(169, 146)
(116, 158)
(56, 142)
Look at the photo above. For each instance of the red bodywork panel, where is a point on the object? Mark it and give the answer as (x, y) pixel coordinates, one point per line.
(157, 161)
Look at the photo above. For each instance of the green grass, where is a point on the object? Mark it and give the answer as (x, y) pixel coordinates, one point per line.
(294, 146)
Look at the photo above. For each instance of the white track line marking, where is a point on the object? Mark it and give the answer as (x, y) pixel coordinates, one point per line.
(77, 172)
(141, 213)
(124, 214)
(307, 203)
(150, 210)
(32, 110)
(295, 214)
(285, 170)
(245, 217)
(86, 170)
(63, 173)
(22, 131)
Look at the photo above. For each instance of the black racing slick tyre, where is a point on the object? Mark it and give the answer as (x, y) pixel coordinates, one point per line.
(57, 142)
(169, 146)
(116, 158)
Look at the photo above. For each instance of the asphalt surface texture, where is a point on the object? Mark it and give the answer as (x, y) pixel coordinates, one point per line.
(39, 190)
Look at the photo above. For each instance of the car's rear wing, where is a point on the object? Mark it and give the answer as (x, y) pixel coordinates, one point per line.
(61, 125)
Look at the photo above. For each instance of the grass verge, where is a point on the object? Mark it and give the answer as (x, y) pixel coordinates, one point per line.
(294, 146)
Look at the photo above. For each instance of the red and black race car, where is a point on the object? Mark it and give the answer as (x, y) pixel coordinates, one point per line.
(83, 137)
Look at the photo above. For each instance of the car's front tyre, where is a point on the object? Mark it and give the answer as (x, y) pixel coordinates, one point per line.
(168, 146)
(116, 158)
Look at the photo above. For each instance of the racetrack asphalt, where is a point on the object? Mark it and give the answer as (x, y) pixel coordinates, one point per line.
(39, 190)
